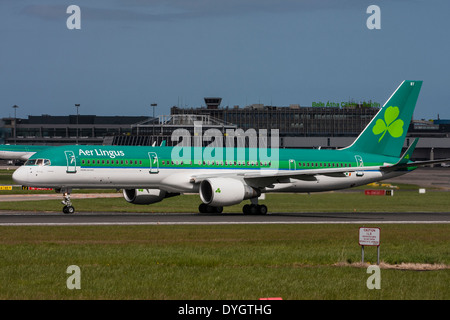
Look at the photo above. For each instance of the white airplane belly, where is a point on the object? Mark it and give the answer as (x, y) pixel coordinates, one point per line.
(57, 177)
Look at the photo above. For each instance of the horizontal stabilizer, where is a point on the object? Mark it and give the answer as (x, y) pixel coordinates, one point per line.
(408, 153)
(414, 164)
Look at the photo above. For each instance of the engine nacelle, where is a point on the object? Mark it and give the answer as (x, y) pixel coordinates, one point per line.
(225, 191)
(146, 196)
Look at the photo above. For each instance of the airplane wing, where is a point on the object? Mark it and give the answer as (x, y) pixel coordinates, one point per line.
(267, 176)
(274, 174)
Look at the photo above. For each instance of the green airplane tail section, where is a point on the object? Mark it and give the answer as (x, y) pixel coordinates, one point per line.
(385, 134)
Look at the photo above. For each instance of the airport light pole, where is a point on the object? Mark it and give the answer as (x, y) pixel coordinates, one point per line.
(77, 105)
(15, 123)
(153, 121)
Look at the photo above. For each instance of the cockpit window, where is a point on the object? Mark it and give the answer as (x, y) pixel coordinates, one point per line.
(30, 162)
(38, 162)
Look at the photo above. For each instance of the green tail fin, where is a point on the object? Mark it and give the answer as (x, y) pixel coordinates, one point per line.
(385, 134)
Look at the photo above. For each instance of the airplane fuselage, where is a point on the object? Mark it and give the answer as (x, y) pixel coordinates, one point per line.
(152, 167)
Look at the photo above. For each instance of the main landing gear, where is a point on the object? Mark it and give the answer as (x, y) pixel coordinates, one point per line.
(260, 209)
(206, 208)
(68, 208)
(253, 208)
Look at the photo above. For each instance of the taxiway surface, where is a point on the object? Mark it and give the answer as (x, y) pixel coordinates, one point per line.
(44, 218)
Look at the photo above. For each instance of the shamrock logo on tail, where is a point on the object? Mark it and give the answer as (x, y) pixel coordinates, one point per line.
(390, 124)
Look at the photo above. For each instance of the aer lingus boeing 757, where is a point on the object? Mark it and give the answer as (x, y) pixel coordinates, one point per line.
(227, 176)
(19, 152)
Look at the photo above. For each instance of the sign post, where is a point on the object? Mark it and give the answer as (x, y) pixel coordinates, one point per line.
(369, 237)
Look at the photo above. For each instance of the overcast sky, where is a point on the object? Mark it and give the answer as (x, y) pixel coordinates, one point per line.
(129, 54)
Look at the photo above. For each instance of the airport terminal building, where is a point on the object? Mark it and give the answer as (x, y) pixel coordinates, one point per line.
(298, 127)
(325, 127)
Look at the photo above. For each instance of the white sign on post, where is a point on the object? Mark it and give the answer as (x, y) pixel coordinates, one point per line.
(369, 236)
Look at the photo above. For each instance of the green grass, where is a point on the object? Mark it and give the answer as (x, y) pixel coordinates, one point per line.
(6, 177)
(218, 262)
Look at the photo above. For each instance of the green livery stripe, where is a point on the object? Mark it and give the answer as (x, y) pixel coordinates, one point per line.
(139, 157)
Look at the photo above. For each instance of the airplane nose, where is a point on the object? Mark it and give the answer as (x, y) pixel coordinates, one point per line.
(20, 176)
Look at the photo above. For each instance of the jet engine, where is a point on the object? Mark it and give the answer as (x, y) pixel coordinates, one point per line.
(146, 196)
(225, 191)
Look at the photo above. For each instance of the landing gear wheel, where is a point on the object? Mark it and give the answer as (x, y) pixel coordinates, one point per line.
(68, 209)
(254, 209)
(262, 209)
(204, 208)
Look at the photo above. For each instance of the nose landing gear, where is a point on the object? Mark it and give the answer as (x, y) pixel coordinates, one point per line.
(68, 208)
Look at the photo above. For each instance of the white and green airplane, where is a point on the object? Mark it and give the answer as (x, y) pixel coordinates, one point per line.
(19, 152)
(150, 174)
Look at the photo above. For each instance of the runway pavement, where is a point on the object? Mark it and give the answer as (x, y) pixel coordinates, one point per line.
(105, 218)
